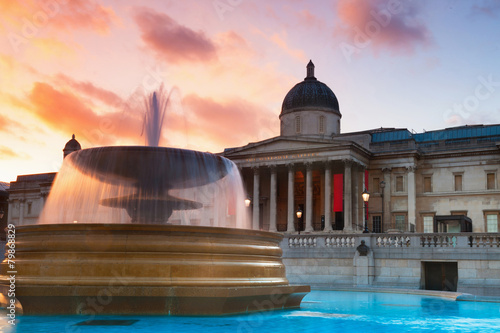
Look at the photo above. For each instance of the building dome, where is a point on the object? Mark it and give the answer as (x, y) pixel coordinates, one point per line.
(310, 94)
(71, 146)
(310, 109)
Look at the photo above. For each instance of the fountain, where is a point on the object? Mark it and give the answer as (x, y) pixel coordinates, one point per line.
(107, 241)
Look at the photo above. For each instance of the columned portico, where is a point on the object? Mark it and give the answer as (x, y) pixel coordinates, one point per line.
(280, 189)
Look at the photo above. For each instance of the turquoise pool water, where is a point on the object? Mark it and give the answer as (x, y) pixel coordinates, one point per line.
(321, 311)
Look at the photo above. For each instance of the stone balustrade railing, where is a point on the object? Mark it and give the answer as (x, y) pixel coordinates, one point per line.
(403, 240)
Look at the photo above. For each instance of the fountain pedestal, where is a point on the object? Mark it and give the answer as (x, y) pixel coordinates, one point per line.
(149, 269)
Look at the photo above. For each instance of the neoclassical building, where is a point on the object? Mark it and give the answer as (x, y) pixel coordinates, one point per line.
(437, 181)
(28, 194)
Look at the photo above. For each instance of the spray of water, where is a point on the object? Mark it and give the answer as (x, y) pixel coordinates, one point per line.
(155, 109)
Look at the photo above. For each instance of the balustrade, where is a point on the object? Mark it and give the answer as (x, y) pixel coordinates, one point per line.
(408, 240)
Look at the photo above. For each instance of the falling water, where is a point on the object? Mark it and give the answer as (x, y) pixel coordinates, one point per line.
(148, 184)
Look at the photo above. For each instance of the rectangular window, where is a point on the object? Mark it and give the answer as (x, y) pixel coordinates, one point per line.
(427, 184)
(297, 124)
(400, 223)
(428, 224)
(458, 182)
(322, 124)
(29, 208)
(490, 181)
(376, 185)
(399, 184)
(492, 223)
(377, 223)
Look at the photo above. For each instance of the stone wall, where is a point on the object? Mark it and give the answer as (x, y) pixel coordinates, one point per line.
(394, 261)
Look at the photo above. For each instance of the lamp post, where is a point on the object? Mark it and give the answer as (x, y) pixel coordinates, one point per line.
(299, 213)
(299, 216)
(366, 196)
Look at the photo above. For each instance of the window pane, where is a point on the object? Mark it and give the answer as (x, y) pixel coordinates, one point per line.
(428, 224)
(490, 181)
(492, 223)
(377, 225)
(427, 184)
(400, 222)
(297, 124)
(322, 124)
(458, 182)
(399, 184)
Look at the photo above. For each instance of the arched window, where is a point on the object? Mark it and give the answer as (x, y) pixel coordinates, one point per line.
(322, 124)
(297, 124)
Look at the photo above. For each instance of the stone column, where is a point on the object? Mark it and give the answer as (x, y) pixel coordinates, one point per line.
(348, 195)
(356, 189)
(328, 197)
(21, 211)
(411, 196)
(386, 218)
(256, 196)
(272, 210)
(309, 198)
(291, 203)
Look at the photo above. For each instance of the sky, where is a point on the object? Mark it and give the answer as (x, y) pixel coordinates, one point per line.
(84, 67)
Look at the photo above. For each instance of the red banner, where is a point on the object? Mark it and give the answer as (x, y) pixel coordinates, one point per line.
(338, 192)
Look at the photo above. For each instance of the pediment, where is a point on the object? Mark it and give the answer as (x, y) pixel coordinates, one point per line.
(282, 145)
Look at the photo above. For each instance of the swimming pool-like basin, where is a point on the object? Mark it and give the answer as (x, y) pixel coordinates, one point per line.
(321, 311)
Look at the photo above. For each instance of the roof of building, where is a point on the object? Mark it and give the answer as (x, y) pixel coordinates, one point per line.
(4, 186)
(452, 133)
(72, 145)
(310, 94)
(39, 177)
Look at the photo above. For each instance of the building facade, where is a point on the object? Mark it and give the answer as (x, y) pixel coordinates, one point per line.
(437, 181)
(27, 195)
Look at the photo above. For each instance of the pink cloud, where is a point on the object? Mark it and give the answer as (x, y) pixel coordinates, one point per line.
(92, 91)
(7, 153)
(228, 123)
(169, 39)
(66, 112)
(8, 125)
(384, 25)
(68, 15)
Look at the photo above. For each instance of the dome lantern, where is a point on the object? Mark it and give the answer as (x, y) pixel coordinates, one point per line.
(310, 71)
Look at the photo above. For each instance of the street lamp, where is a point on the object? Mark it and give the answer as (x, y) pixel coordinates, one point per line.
(299, 213)
(366, 196)
(248, 202)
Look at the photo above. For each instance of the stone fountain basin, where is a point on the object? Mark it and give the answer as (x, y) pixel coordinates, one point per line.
(149, 269)
(150, 168)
